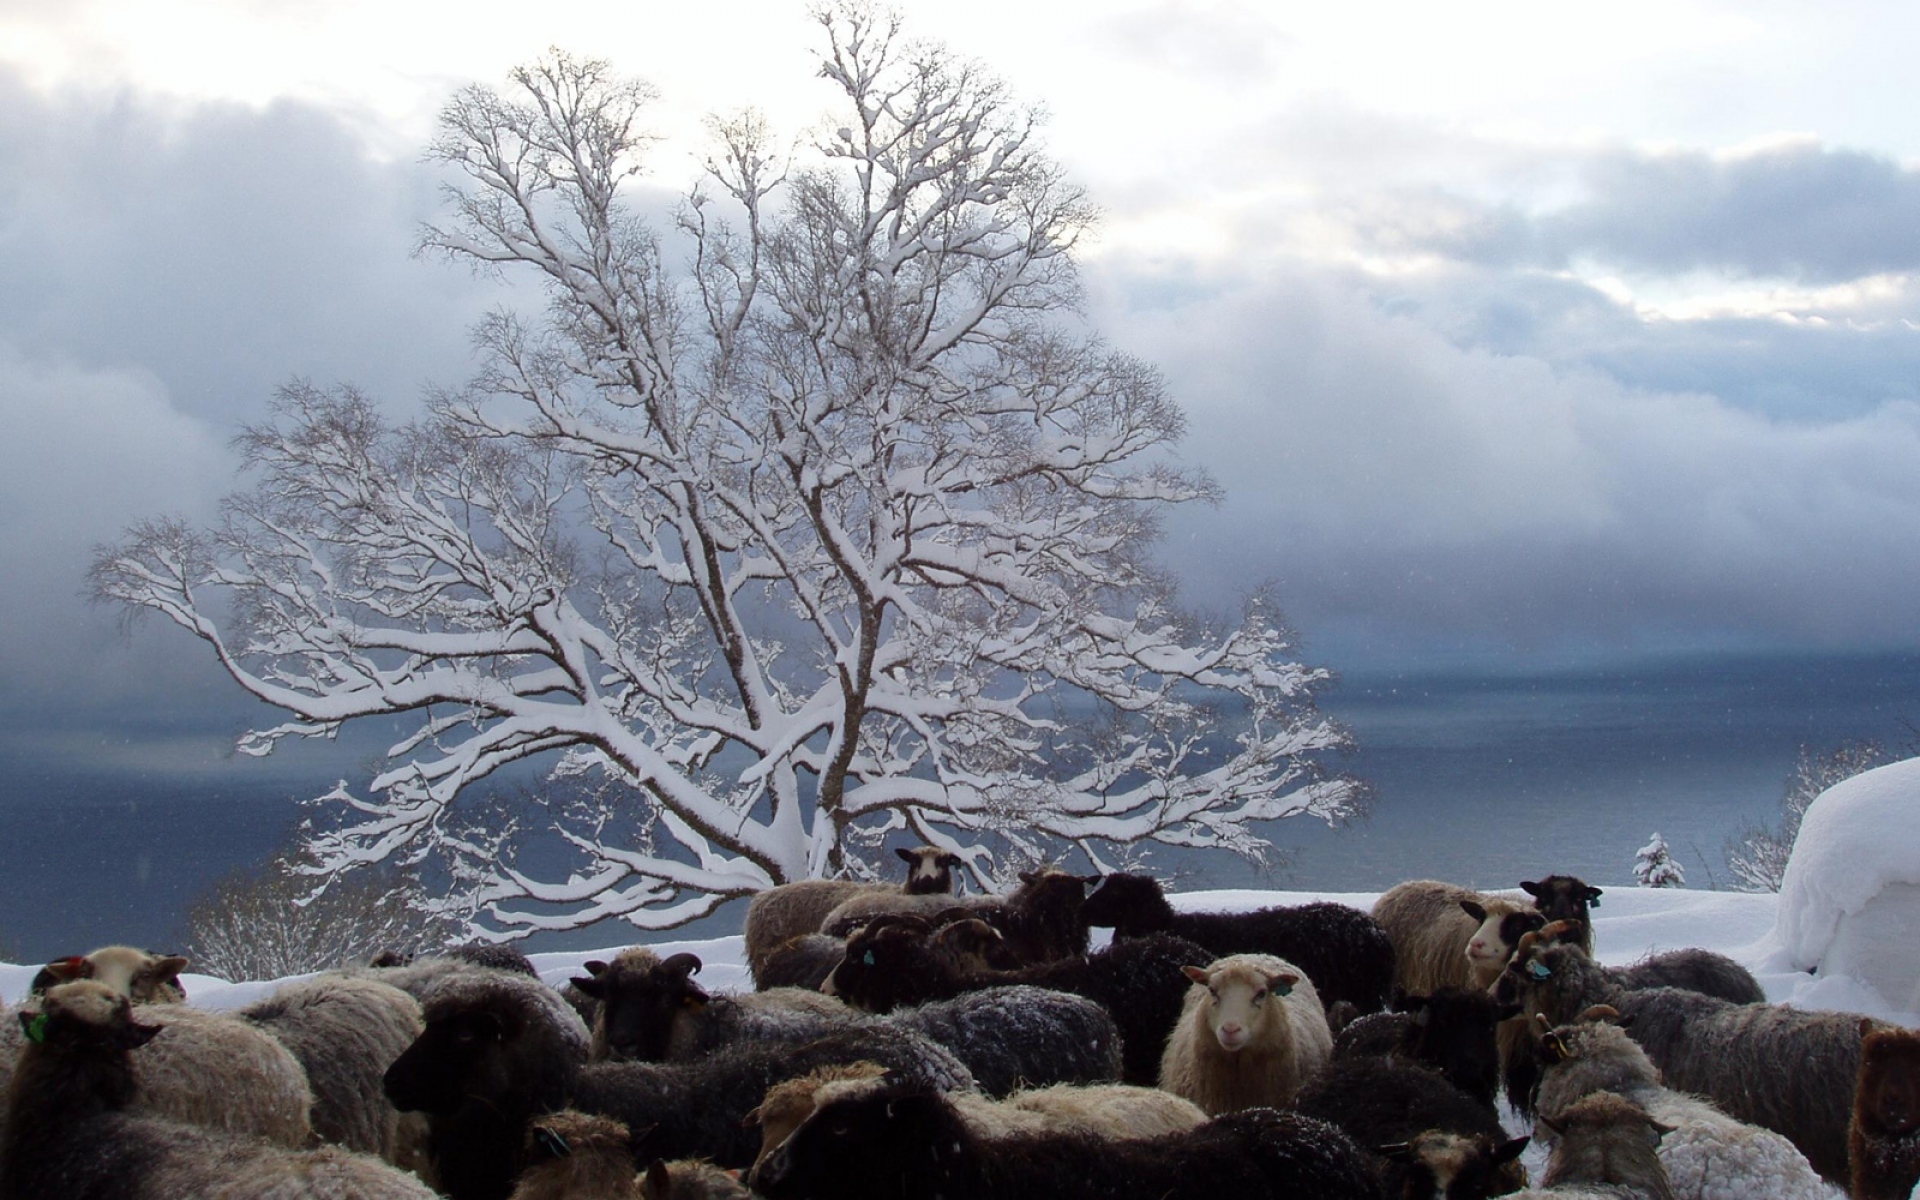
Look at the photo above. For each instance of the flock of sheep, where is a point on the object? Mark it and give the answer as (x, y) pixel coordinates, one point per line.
(909, 1043)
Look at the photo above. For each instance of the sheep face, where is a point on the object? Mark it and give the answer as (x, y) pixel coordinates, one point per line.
(1887, 1102)
(875, 1143)
(929, 870)
(884, 963)
(464, 1055)
(639, 1005)
(1238, 996)
(1499, 932)
(1563, 897)
(1436, 1165)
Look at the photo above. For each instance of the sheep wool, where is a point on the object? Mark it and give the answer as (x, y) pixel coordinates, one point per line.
(1251, 1032)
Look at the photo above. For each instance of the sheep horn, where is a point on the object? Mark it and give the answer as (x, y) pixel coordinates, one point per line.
(682, 964)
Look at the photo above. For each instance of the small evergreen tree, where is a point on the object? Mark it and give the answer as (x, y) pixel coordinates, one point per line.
(1654, 865)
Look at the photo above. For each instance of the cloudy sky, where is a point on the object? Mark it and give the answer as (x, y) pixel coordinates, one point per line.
(1510, 329)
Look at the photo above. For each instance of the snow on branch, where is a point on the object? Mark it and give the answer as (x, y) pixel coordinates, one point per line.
(808, 519)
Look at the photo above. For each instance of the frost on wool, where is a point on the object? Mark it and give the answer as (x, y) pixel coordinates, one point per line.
(1852, 885)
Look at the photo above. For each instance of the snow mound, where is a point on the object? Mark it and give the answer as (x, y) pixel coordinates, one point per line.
(1850, 905)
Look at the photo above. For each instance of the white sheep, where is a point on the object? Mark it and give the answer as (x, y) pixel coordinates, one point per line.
(1251, 1032)
(1449, 936)
(139, 975)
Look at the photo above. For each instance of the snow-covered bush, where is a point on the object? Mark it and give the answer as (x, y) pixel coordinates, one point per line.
(1850, 902)
(1654, 865)
(1757, 855)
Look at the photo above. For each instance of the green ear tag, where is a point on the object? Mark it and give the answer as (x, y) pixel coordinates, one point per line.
(867, 958)
(37, 1029)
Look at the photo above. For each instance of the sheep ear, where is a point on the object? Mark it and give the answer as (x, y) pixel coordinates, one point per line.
(132, 1037)
(1531, 887)
(1593, 897)
(1282, 985)
(1473, 910)
(549, 1143)
(595, 967)
(1509, 1150)
(905, 854)
(751, 1120)
(1662, 1130)
(166, 970)
(589, 986)
(1029, 877)
(1197, 974)
(68, 969)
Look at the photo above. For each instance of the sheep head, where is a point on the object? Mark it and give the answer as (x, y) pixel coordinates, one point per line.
(1239, 994)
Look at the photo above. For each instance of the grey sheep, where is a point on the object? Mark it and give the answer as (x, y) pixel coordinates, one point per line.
(1733, 1054)
(70, 1133)
(1604, 1150)
(1707, 1154)
(346, 1032)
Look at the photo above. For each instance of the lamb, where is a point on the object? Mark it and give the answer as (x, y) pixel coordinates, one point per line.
(906, 1140)
(1343, 950)
(1451, 1031)
(1251, 1032)
(204, 1068)
(144, 977)
(1138, 981)
(1383, 1102)
(1730, 1053)
(1448, 936)
(660, 1014)
(499, 1050)
(1884, 1139)
(1707, 1154)
(1109, 1110)
(345, 1032)
(1604, 1151)
(69, 1131)
(782, 913)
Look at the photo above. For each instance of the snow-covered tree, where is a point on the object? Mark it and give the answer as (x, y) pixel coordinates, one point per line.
(1757, 855)
(810, 518)
(1653, 866)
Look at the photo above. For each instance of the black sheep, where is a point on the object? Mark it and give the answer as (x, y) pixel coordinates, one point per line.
(1014, 1037)
(1140, 982)
(1451, 1031)
(1344, 951)
(1565, 898)
(1380, 1102)
(494, 1056)
(655, 1012)
(907, 1141)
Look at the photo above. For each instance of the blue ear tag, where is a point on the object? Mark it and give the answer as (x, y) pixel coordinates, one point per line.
(1539, 970)
(1594, 903)
(555, 1145)
(37, 1029)
(1283, 989)
(867, 958)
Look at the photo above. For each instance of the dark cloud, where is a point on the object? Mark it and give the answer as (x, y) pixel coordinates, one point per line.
(1407, 492)
(1798, 211)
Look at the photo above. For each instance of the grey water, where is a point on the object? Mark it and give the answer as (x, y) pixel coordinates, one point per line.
(1484, 775)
